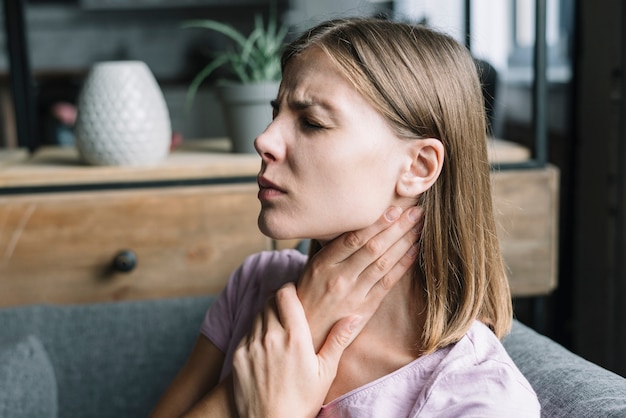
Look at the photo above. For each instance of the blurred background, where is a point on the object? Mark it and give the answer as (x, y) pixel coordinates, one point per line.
(583, 108)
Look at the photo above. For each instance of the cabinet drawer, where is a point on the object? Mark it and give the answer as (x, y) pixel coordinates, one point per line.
(59, 248)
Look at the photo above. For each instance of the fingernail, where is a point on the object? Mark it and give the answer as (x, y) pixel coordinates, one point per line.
(414, 214)
(412, 251)
(393, 213)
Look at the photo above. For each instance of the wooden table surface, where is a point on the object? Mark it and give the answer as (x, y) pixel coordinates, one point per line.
(62, 165)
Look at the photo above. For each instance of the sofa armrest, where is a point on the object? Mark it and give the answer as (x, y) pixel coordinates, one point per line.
(567, 385)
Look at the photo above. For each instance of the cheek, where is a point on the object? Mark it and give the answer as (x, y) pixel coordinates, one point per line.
(355, 198)
(338, 191)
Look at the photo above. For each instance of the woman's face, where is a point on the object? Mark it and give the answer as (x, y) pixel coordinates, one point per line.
(330, 162)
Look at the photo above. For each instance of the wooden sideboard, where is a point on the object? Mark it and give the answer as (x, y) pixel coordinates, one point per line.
(190, 221)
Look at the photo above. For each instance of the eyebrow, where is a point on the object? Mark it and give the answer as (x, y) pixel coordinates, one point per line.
(303, 104)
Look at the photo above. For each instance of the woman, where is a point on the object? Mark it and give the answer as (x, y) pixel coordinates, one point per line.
(403, 315)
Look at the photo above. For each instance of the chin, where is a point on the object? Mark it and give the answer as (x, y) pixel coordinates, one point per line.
(277, 230)
(280, 226)
(273, 230)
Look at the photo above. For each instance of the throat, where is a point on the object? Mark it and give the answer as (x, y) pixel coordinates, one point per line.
(365, 362)
(390, 340)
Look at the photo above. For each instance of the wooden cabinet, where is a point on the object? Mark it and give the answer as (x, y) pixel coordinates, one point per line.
(526, 207)
(190, 221)
(189, 224)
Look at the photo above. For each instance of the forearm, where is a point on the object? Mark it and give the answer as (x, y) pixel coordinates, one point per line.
(219, 403)
(198, 378)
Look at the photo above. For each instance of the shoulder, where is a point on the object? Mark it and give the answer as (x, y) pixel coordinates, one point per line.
(273, 268)
(247, 289)
(289, 258)
(478, 378)
(261, 274)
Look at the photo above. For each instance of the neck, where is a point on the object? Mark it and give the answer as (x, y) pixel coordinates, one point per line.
(389, 341)
(398, 318)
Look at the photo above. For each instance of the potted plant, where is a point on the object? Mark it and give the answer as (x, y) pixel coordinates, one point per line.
(255, 64)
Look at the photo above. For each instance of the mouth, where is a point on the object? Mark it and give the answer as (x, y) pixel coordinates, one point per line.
(268, 190)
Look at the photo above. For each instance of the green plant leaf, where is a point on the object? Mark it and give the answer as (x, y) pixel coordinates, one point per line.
(224, 29)
(255, 36)
(199, 78)
(255, 58)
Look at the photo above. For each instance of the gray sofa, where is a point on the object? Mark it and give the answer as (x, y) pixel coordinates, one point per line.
(115, 359)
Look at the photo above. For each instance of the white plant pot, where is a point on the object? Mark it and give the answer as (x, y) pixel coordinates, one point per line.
(122, 116)
(247, 112)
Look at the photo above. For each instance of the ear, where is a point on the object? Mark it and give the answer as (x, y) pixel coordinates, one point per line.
(422, 168)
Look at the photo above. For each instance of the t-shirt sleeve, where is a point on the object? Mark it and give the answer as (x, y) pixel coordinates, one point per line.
(246, 291)
(219, 319)
(216, 325)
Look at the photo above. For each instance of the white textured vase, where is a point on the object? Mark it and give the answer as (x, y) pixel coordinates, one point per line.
(122, 116)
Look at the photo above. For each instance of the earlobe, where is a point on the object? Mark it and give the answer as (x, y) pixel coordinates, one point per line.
(423, 167)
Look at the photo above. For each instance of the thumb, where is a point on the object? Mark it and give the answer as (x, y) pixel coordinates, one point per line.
(339, 338)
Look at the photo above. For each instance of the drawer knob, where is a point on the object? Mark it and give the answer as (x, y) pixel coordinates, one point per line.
(125, 261)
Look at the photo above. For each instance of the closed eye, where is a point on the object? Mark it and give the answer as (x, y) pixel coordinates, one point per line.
(310, 125)
(306, 123)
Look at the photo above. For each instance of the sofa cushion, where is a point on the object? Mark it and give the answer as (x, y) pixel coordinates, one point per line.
(567, 385)
(124, 354)
(27, 382)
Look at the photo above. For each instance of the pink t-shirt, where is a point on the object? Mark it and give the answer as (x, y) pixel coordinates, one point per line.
(474, 377)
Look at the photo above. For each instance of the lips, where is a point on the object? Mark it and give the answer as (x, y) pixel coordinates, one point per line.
(268, 190)
(266, 184)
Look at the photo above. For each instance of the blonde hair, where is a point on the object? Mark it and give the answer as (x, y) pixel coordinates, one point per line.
(426, 86)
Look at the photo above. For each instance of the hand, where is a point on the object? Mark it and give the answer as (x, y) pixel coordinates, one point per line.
(276, 372)
(352, 274)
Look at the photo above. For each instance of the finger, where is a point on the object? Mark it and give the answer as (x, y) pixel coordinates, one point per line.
(339, 338)
(289, 310)
(350, 242)
(389, 280)
(259, 327)
(268, 314)
(254, 333)
(402, 250)
(382, 252)
(376, 284)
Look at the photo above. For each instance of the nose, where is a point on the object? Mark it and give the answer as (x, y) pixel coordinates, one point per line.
(270, 144)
